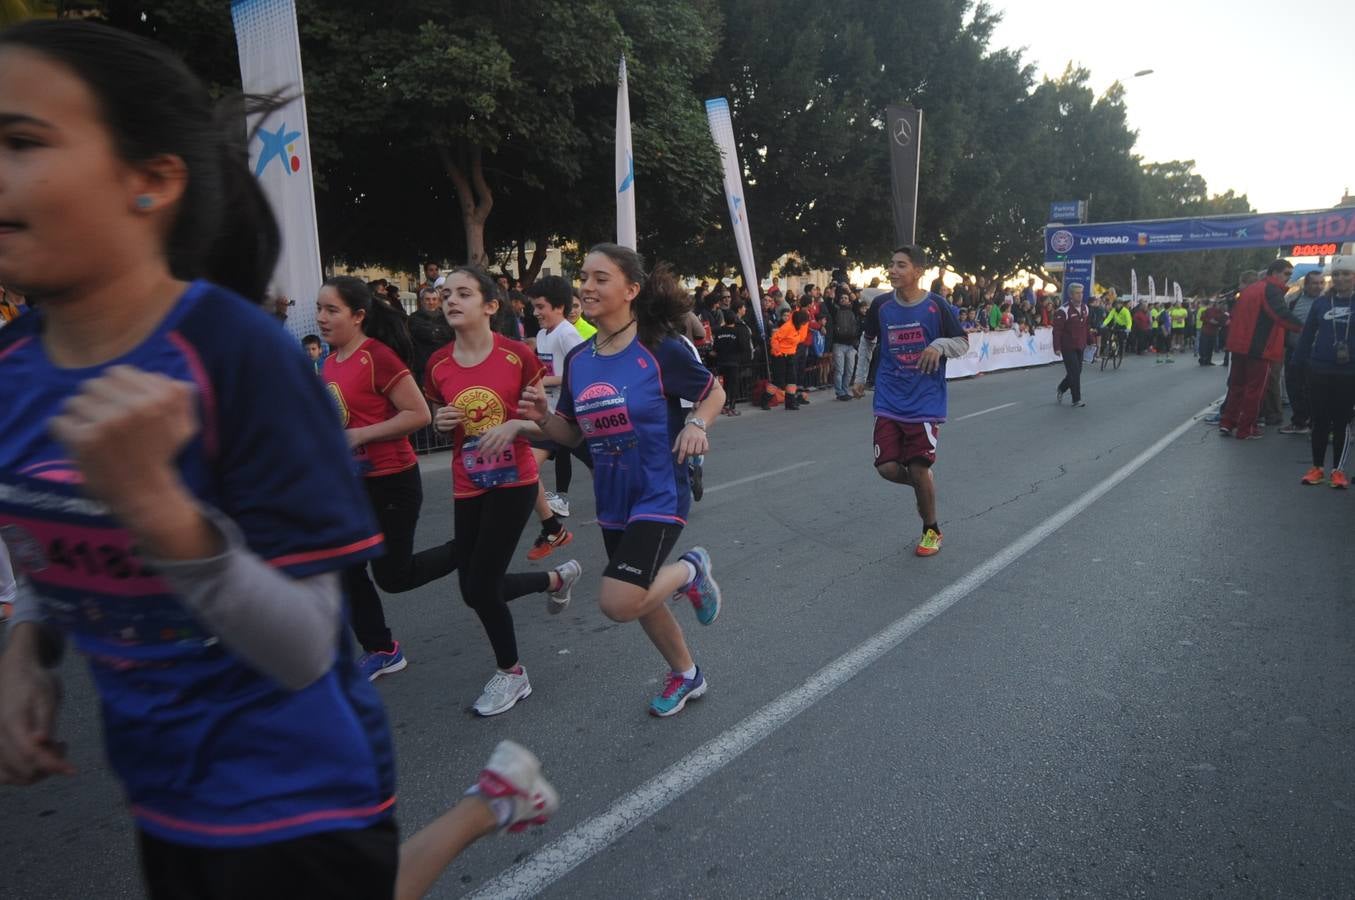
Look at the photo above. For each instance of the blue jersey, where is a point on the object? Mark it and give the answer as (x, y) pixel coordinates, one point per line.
(211, 752)
(628, 407)
(902, 392)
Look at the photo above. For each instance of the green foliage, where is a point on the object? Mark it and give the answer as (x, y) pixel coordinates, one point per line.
(441, 128)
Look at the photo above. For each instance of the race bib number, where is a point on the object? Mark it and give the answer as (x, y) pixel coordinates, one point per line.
(489, 470)
(906, 343)
(608, 429)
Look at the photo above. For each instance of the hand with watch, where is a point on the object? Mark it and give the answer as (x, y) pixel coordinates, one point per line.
(692, 440)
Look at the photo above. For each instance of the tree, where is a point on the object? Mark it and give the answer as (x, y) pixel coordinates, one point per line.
(458, 132)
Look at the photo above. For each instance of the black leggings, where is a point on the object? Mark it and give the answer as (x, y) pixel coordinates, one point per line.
(564, 468)
(783, 370)
(1331, 398)
(396, 500)
(346, 863)
(487, 530)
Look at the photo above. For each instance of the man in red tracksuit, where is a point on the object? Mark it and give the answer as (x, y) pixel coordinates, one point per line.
(1070, 339)
(1256, 341)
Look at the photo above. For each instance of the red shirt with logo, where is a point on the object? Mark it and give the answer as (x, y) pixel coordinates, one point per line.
(488, 394)
(360, 386)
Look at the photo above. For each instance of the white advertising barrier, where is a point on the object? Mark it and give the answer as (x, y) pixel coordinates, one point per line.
(992, 351)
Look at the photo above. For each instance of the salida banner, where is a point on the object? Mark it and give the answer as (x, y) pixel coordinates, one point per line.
(990, 351)
(1206, 233)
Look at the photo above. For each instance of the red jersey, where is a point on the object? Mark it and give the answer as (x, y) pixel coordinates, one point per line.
(361, 386)
(488, 393)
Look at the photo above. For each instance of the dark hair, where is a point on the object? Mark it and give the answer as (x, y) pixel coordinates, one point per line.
(380, 322)
(1278, 265)
(662, 304)
(914, 253)
(800, 318)
(503, 321)
(553, 289)
(153, 105)
(310, 339)
(729, 317)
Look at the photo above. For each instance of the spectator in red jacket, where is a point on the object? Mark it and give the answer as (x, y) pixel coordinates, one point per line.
(1071, 330)
(1256, 341)
(1214, 319)
(1143, 326)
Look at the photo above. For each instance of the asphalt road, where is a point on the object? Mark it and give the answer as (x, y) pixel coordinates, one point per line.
(1147, 691)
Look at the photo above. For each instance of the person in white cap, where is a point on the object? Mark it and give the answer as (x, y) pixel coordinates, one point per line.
(1324, 349)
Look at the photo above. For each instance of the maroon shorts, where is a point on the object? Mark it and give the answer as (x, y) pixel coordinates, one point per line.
(905, 442)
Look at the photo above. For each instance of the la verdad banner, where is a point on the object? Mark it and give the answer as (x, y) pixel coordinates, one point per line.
(279, 154)
(722, 132)
(1335, 225)
(992, 351)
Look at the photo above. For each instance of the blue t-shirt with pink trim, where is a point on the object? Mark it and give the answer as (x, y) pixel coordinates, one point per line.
(628, 407)
(211, 752)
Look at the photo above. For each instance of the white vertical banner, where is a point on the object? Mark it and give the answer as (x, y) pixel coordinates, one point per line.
(722, 130)
(1134, 287)
(625, 165)
(1176, 293)
(279, 154)
(1152, 290)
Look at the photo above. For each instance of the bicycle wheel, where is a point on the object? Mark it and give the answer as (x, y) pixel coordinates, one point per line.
(1119, 354)
(1105, 357)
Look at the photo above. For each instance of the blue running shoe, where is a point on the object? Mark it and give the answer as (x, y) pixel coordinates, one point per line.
(703, 591)
(676, 692)
(1212, 419)
(381, 662)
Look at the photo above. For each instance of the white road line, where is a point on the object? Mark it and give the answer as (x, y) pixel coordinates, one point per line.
(982, 412)
(555, 860)
(736, 482)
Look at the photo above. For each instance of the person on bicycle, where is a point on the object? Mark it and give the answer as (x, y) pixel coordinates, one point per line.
(1116, 324)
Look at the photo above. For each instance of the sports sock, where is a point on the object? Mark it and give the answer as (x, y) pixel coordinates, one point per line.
(551, 525)
(689, 674)
(691, 572)
(933, 526)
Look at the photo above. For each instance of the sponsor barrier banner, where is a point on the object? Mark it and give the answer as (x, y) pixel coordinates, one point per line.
(1203, 233)
(991, 351)
(270, 62)
(625, 165)
(722, 132)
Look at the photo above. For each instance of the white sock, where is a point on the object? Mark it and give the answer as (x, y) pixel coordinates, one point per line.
(691, 572)
(689, 674)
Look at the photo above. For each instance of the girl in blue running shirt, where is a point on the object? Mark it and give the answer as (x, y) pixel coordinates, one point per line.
(621, 391)
(177, 495)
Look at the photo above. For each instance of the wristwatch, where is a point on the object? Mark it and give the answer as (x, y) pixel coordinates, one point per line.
(698, 422)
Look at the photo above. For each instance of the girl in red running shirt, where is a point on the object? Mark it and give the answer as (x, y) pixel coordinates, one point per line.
(475, 382)
(379, 406)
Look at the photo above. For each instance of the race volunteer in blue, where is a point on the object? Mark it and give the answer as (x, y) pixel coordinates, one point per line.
(621, 391)
(174, 487)
(920, 332)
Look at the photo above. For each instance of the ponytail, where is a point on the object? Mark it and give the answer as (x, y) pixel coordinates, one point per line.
(380, 321)
(662, 304)
(153, 105)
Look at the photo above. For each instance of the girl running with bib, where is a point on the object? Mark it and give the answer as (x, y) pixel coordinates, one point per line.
(475, 382)
(379, 406)
(178, 497)
(621, 391)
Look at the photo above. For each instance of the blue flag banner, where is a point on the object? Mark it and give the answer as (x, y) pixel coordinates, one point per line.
(1205, 233)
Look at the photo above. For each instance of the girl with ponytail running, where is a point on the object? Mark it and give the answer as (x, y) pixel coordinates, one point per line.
(178, 497)
(622, 391)
(475, 382)
(379, 406)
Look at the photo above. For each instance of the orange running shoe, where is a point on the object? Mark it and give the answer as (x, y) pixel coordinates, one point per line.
(1315, 475)
(546, 544)
(930, 544)
(1339, 479)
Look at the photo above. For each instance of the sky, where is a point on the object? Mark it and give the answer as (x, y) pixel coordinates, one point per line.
(1264, 102)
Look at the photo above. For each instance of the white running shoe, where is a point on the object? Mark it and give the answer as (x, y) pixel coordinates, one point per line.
(514, 773)
(558, 503)
(569, 573)
(503, 692)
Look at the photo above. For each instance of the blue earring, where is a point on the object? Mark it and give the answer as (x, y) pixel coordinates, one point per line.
(144, 202)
